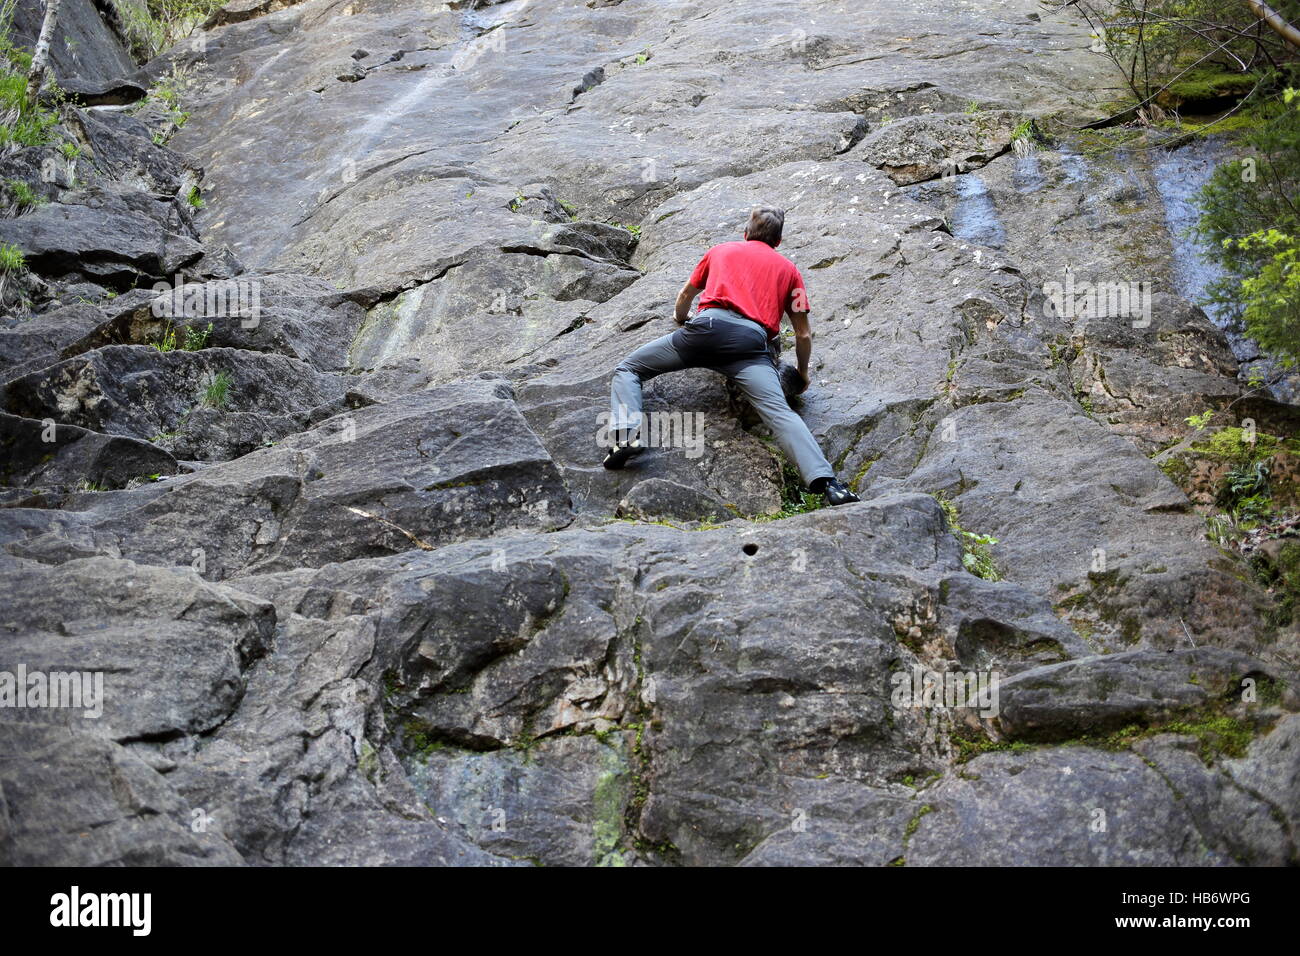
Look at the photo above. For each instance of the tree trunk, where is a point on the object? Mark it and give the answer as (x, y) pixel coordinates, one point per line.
(1275, 22)
(41, 54)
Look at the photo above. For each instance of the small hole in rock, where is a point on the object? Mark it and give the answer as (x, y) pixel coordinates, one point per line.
(750, 549)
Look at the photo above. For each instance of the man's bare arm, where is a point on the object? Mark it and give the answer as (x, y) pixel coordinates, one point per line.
(802, 343)
(685, 299)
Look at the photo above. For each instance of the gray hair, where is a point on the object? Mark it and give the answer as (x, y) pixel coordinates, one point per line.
(766, 224)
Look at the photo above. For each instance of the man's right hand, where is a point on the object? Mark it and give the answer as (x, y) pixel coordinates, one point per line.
(685, 299)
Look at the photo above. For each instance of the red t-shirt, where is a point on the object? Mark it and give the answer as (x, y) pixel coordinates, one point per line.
(750, 277)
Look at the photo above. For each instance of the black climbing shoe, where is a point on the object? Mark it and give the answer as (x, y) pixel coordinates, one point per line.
(622, 453)
(837, 493)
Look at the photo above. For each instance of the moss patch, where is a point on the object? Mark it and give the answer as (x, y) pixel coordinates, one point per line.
(1232, 444)
(1206, 90)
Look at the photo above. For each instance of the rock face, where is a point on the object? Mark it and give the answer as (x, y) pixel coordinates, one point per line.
(355, 582)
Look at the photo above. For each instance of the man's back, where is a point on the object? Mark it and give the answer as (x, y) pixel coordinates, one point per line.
(750, 277)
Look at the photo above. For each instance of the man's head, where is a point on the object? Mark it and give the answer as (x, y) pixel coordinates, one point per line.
(766, 224)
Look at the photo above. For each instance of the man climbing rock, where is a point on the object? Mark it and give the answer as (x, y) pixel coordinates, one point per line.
(747, 287)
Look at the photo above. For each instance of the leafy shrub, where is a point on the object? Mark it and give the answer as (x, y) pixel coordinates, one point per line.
(977, 549)
(152, 26)
(1250, 224)
(196, 339)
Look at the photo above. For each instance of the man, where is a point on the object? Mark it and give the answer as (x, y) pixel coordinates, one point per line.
(747, 286)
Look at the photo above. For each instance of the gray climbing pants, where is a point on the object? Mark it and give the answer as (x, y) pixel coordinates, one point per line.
(729, 343)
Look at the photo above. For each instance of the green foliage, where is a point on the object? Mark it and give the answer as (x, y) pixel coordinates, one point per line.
(1201, 420)
(966, 747)
(218, 391)
(1026, 137)
(977, 549)
(166, 342)
(419, 740)
(795, 500)
(1270, 301)
(22, 123)
(1205, 87)
(12, 260)
(1244, 494)
(1243, 483)
(1188, 53)
(152, 26)
(13, 264)
(1237, 445)
(914, 824)
(1280, 573)
(1250, 225)
(20, 196)
(196, 339)
(805, 502)
(1217, 736)
(164, 102)
(195, 198)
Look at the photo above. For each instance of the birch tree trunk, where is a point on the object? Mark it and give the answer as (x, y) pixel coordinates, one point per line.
(1288, 32)
(41, 54)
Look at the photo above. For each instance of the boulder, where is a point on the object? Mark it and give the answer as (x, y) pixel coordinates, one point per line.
(114, 239)
(171, 651)
(435, 467)
(210, 404)
(301, 317)
(917, 148)
(1098, 695)
(27, 346)
(1068, 806)
(48, 456)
